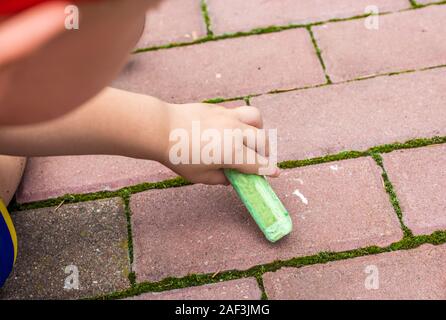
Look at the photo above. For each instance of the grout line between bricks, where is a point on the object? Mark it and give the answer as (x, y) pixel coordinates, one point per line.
(253, 32)
(126, 192)
(387, 74)
(392, 195)
(206, 17)
(128, 214)
(319, 54)
(193, 280)
(259, 279)
(269, 29)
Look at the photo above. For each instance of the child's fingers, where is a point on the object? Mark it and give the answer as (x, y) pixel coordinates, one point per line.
(251, 162)
(250, 116)
(26, 32)
(256, 139)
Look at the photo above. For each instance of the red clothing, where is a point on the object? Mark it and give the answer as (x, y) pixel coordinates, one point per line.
(8, 7)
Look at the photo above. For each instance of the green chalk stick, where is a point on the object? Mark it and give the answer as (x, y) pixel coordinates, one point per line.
(262, 203)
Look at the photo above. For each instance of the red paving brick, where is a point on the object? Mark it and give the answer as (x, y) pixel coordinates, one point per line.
(173, 21)
(356, 115)
(412, 274)
(243, 289)
(229, 68)
(408, 40)
(52, 177)
(203, 229)
(419, 179)
(228, 16)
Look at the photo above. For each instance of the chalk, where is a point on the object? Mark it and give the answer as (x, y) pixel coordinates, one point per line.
(262, 203)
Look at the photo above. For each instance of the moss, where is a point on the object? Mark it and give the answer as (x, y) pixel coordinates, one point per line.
(129, 228)
(411, 242)
(394, 73)
(319, 54)
(259, 279)
(329, 158)
(392, 195)
(179, 182)
(222, 100)
(386, 148)
(414, 143)
(132, 278)
(278, 91)
(123, 193)
(255, 31)
(206, 17)
(414, 4)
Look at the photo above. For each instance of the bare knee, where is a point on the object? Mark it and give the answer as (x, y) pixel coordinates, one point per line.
(11, 172)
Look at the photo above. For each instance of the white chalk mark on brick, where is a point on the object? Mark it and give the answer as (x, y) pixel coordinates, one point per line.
(301, 196)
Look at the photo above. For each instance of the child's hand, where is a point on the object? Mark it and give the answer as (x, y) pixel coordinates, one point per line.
(212, 123)
(117, 122)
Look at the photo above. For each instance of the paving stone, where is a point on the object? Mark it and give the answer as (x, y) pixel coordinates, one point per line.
(412, 274)
(173, 21)
(228, 68)
(419, 179)
(228, 16)
(91, 236)
(356, 115)
(203, 229)
(51, 177)
(407, 40)
(242, 289)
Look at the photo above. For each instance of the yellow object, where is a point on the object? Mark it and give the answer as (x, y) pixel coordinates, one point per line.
(10, 225)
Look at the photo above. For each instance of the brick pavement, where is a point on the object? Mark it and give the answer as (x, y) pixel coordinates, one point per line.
(346, 219)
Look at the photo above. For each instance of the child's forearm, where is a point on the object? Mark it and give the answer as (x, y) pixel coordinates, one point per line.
(118, 122)
(115, 122)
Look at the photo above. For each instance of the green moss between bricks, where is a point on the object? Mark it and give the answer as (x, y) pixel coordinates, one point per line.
(222, 100)
(132, 278)
(256, 31)
(277, 91)
(392, 195)
(436, 238)
(179, 182)
(129, 232)
(206, 17)
(270, 29)
(259, 279)
(123, 193)
(319, 54)
(417, 5)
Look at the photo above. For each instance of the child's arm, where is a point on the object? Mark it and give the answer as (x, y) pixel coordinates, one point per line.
(118, 122)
